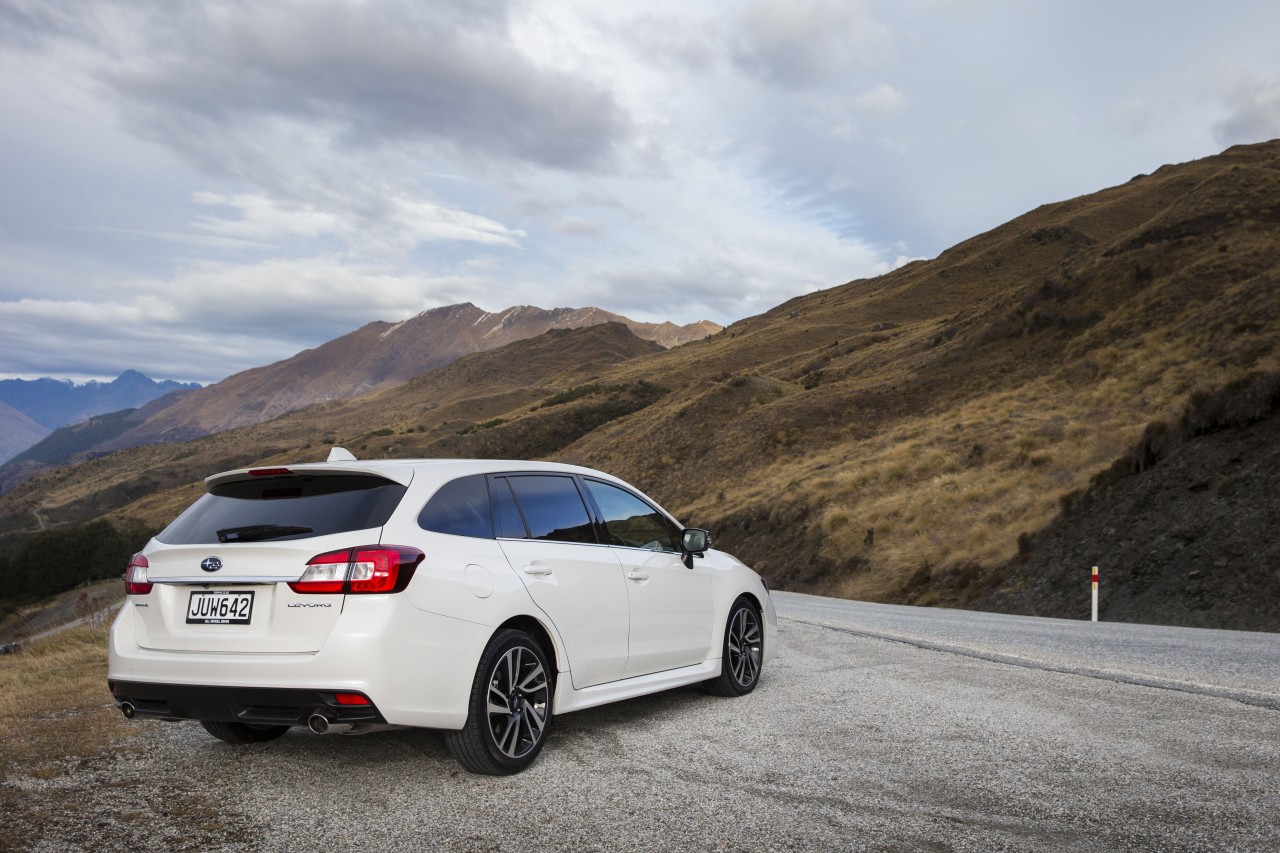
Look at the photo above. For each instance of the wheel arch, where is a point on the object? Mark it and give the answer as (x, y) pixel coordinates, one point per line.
(755, 601)
(758, 606)
(534, 628)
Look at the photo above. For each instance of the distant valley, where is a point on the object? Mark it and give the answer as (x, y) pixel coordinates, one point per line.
(48, 404)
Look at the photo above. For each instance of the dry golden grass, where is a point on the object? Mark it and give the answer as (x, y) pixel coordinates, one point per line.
(58, 724)
(54, 703)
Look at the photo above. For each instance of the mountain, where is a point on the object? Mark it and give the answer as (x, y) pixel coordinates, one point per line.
(17, 432)
(78, 440)
(53, 403)
(376, 356)
(921, 437)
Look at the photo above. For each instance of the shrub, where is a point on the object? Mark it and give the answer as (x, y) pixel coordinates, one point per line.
(54, 561)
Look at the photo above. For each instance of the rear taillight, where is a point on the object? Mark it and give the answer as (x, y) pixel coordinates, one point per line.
(354, 571)
(325, 573)
(135, 576)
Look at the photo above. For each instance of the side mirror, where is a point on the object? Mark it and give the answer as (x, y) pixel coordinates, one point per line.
(694, 540)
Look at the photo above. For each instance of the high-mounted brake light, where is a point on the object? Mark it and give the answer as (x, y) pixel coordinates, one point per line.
(135, 576)
(354, 571)
(268, 472)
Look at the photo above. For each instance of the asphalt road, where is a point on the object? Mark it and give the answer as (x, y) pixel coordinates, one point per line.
(877, 728)
(1242, 665)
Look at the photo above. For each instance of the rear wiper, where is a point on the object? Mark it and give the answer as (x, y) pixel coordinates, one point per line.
(259, 532)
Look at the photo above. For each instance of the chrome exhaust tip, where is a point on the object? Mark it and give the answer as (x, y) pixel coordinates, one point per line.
(128, 710)
(322, 725)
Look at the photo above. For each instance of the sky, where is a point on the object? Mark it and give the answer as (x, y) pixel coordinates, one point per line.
(192, 189)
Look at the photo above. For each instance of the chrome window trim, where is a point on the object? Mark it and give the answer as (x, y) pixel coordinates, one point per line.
(554, 542)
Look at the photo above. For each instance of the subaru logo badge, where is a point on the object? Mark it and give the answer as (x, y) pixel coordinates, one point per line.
(210, 564)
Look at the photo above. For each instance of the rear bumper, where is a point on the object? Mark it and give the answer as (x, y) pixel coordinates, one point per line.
(269, 706)
(415, 667)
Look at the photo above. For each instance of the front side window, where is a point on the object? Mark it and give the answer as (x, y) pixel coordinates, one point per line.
(552, 508)
(629, 521)
(459, 508)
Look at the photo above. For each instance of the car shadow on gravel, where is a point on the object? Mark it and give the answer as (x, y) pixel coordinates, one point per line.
(582, 736)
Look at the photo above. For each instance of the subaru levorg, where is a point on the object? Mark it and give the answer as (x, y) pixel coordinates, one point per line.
(481, 598)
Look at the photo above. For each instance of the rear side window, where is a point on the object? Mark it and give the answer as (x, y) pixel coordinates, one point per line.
(275, 508)
(552, 508)
(506, 517)
(460, 508)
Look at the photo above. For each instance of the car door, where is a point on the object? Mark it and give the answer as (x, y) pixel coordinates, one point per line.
(548, 536)
(669, 604)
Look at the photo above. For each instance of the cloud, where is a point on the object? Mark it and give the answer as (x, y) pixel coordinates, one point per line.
(1255, 115)
(579, 227)
(799, 43)
(215, 319)
(400, 224)
(387, 72)
(882, 99)
(193, 188)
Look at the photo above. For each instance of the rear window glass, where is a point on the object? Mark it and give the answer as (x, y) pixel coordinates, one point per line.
(460, 508)
(275, 508)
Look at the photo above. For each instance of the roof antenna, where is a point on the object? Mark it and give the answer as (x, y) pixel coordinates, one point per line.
(340, 454)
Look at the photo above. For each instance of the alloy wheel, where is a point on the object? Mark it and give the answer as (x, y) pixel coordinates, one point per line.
(744, 643)
(519, 698)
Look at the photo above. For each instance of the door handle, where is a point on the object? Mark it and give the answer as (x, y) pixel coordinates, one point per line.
(537, 570)
(637, 576)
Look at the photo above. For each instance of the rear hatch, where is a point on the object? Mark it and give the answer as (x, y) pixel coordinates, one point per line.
(221, 570)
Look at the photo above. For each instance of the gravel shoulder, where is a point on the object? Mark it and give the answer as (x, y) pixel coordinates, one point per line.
(850, 742)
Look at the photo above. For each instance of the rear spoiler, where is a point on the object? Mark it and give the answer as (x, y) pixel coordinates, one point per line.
(401, 474)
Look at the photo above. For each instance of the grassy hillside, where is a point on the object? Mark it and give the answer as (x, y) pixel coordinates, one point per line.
(1180, 528)
(890, 439)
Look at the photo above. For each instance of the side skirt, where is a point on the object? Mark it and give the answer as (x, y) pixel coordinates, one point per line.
(567, 699)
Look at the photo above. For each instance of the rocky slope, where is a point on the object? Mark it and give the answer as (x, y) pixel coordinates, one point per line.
(1182, 529)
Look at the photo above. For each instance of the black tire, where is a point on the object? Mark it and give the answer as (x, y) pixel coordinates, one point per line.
(241, 733)
(509, 713)
(742, 653)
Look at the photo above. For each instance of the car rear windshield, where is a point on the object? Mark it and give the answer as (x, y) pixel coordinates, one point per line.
(293, 507)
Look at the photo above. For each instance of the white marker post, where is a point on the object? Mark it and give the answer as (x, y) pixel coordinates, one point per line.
(1095, 593)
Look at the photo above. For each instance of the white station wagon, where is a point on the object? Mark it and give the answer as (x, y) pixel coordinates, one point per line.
(476, 597)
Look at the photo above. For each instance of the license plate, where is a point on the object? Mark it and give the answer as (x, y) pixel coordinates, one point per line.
(219, 608)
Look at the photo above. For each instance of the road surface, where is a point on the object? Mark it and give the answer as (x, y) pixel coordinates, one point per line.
(876, 728)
